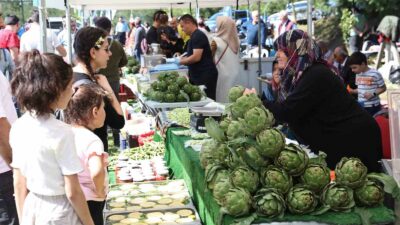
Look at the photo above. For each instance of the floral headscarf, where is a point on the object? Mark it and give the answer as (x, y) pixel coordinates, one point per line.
(302, 52)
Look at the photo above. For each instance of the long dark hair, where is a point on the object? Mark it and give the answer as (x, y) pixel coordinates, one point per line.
(86, 39)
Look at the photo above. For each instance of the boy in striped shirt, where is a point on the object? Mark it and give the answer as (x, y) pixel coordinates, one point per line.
(370, 83)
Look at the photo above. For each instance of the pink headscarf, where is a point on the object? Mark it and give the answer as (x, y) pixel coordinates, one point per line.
(226, 30)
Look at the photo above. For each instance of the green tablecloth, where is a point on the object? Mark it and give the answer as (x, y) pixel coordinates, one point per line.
(185, 164)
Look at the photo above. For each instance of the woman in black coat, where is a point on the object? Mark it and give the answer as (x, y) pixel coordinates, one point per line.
(318, 109)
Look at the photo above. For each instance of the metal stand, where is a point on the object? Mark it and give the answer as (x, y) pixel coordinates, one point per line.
(391, 54)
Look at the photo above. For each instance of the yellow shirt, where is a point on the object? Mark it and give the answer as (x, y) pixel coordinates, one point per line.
(183, 35)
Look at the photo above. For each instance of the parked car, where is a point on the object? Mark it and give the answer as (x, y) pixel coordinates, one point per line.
(212, 21)
(241, 16)
(301, 11)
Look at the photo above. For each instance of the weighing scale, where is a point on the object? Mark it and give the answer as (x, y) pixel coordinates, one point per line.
(199, 114)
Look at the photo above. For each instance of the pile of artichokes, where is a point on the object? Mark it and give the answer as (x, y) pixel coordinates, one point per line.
(249, 168)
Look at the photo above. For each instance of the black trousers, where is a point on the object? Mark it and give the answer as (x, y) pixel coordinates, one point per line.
(96, 211)
(8, 209)
(208, 79)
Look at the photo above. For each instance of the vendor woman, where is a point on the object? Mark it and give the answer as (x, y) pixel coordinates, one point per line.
(317, 107)
(202, 70)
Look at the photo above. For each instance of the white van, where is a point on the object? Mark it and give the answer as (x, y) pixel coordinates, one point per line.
(56, 24)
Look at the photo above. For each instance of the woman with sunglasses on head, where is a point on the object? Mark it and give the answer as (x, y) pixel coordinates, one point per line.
(314, 102)
(92, 53)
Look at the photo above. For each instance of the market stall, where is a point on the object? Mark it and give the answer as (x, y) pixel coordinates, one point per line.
(185, 164)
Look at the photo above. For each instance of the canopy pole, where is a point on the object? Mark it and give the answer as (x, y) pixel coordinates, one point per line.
(197, 10)
(237, 5)
(68, 26)
(190, 8)
(259, 42)
(43, 25)
(309, 18)
(170, 11)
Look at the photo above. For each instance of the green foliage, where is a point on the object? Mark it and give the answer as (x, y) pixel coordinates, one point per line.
(346, 23)
(274, 6)
(326, 29)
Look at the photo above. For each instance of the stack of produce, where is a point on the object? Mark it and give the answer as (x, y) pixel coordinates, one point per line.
(177, 216)
(170, 187)
(249, 168)
(170, 87)
(181, 116)
(142, 170)
(133, 66)
(149, 150)
(162, 196)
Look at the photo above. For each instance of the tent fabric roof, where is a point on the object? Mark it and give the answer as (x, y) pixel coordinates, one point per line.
(154, 4)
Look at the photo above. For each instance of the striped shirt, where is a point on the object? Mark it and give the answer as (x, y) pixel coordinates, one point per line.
(368, 82)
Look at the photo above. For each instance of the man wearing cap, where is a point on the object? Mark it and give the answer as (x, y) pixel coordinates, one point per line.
(8, 36)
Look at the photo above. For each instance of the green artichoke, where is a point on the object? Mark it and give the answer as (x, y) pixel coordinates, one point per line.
(351, 172)
(253, 158)
(243, 104)
(301, 200)
(214, 173)
(224, 124)
(237, 202)
(234, 160)
(207, 153)
(269, 203)
(370, 194)
(173, 89)
(271, 142)
(221, 153)
(275, 177)
(235, 92)
(195, 96)
(220, 189)
(181, 81)
(154, 85)
(214, 130)
(293, 159)
(337, 197)
(316, 177)
(255, 120)
(235, 130)
(169, 97)
(246, 178)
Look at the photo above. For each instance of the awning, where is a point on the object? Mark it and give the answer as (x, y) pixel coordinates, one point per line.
(154, 4)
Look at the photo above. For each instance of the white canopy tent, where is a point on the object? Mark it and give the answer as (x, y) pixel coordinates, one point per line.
(139, 4)
(155, 4)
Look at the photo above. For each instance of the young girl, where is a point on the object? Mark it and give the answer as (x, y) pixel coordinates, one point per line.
(271, 91)
(86, 113)
(45, 162)
(91, 49)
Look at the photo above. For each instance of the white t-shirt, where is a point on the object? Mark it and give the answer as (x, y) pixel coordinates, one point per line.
(44, 151)
(7, 110)
(87, 145)
(31, 39)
